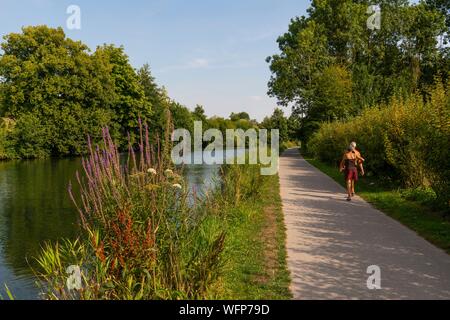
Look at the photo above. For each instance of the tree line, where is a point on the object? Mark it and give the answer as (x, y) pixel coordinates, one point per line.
(55, 91)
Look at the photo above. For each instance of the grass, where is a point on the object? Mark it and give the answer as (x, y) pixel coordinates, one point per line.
(255, 252)
(417, 215)
(9, 294)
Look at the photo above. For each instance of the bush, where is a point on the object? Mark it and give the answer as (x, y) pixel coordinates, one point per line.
(422, 195)
(407, 140)
(30, 138)
(40, 134)
(6, 128)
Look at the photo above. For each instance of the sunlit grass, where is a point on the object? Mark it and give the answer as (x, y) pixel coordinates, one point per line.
(255, 252)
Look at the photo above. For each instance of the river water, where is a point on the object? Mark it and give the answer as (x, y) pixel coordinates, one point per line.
(35, 207)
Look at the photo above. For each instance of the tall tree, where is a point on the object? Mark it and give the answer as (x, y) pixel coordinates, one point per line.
(159, 101)
(57, 86)
(444, 8)
(303, 55)
(199, 114)
(333, 95)
(152, 91)
(130, 103)
(42, 69)
(277, 121)
(401, 57)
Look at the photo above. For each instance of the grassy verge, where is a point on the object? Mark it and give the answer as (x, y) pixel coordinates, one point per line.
(255, 253)
(429, 224)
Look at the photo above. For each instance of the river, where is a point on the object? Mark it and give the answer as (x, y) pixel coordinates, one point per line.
(35, 207)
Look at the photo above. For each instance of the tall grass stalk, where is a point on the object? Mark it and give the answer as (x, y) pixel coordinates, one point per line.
(142, 238)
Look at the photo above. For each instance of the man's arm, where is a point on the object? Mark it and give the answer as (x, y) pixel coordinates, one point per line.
(342, 164)
(359, 157)
(360, 161)
(361, 167)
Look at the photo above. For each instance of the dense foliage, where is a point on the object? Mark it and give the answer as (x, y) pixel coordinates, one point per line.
(407, 140)
(332, 66)
(54, 93)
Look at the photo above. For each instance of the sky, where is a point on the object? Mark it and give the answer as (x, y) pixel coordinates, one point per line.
(206, 52)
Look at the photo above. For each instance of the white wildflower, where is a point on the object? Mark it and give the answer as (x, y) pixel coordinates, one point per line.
(151, 171)
(177, 186)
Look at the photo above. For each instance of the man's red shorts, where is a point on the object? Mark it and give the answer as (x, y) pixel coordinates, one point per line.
(351, 174)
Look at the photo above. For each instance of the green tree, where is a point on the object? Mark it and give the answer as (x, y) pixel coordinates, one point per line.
(400, 58)
(158, 99)
(51, 82)
(153, 93)
(443, 6)
(239, 116)
(182, 117)
(130, 102)
(41, 68)
(277, 121)
(303, 54)
(294, 125)
(199, 115)
(333, 95)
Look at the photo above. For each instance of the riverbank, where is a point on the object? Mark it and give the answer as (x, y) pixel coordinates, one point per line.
(142, 237)
(398, 204)
(246, 206)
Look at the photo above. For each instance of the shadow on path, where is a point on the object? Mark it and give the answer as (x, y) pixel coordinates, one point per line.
(331, 243)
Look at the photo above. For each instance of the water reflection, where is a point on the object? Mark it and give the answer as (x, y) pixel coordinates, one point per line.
(34, 207)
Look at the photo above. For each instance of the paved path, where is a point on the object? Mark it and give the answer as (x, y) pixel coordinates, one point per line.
(331, 243)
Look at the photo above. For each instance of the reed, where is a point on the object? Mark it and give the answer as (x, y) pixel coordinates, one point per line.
(142, 237)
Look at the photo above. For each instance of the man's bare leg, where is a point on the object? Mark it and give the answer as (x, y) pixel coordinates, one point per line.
(349, 190)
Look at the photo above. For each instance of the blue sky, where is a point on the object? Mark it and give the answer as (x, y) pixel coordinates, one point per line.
(208, 52)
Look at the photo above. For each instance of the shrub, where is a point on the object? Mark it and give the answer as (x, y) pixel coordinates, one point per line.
(421, 195)
(407, 140)
(29, 139)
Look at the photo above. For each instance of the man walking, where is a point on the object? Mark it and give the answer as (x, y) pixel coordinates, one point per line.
(351, 160)
(359, 163)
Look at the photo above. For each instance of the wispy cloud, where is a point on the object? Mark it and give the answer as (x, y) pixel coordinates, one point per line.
(256, 98)
(197, 63)
(202, 63)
